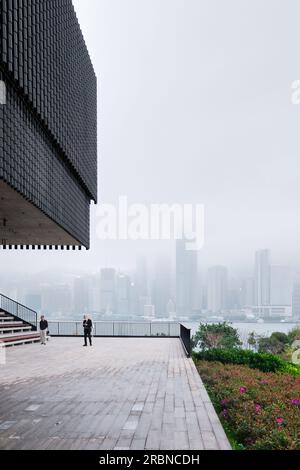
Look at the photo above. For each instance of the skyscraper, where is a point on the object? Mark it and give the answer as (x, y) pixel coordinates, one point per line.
(93, 288)
(186, 279)
(247, 292)
(108, 291)
(217, 289)
(141, 284)
(161, 287)
(48, 126)
(123, 285)
(281, 289)
(80, 296)
(133, 300)
(262, 278)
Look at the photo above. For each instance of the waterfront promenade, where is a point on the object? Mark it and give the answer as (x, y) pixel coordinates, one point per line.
(123, 393)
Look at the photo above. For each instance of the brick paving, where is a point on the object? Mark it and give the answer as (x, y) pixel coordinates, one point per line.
(123, 393)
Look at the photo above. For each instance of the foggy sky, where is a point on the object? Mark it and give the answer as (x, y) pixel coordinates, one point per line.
(195, 106)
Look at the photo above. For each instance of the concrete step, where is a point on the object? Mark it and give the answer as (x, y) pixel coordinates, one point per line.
(4, 336)
(8, 324)
(19, 340)
(6, 329)
(7, 318)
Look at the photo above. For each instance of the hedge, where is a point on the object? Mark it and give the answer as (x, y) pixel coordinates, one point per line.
(265, 362)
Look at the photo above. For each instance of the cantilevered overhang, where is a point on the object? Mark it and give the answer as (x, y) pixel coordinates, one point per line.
(23, 224)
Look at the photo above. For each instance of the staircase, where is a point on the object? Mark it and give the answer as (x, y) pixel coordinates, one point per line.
(15, 332)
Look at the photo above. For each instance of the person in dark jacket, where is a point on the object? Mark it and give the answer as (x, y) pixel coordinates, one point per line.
(87, 328)
(43, 330)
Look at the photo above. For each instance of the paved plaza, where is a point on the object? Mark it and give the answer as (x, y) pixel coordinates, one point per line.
(123, 393)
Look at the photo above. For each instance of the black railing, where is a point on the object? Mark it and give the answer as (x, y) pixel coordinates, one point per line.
(123, 329)
(19, 311)
(185, 336)
(117, 329)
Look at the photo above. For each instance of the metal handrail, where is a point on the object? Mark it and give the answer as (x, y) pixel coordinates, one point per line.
(18, 303)
(116, 328)
(18, 310)
(125, 329)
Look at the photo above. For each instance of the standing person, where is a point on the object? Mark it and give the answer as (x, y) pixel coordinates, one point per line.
(87, 328)
(43, 330)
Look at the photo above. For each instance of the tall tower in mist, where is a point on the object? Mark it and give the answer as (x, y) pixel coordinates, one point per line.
(186, 279)
(141, 284)
(161, 287)
(262, 278)
(108, 290)
(217, 289)
(123, 285)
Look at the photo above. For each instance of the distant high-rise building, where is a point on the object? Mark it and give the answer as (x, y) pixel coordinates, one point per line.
(217, 289)
(94, 294)
(149, 311)
(133, 300)
(108, 290)
(161, 287)
(186, 279)
(234, 294)
(171, 308)
(247, 292)
(281, 285)
(122, 295)
(200, 292)
(262, 278)
(296, 301)
(141, 284)
(80, 296)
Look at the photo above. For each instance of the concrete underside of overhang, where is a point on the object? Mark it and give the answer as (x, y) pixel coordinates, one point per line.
(21, 223)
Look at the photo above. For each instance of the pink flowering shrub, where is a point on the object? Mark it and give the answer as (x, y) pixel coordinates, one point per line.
(259, 410)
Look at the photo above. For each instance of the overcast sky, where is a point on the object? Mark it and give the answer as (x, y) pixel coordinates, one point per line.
(195, 106)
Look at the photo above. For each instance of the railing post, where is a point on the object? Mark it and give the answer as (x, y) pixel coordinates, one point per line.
(58, 331)
(150, 328)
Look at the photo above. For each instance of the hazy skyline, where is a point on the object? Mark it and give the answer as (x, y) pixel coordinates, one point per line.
(194, 107)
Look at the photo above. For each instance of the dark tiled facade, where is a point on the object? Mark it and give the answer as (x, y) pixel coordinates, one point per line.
(48, 126)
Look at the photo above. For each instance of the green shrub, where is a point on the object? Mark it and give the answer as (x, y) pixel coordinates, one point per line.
(263, 361)
(276, 344)
(217, 335)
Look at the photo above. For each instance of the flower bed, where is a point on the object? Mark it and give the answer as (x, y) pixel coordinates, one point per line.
(258, 410)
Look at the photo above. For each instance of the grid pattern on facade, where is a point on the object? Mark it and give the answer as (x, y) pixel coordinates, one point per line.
(48, 126)
(43, 50)
(34, 168)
